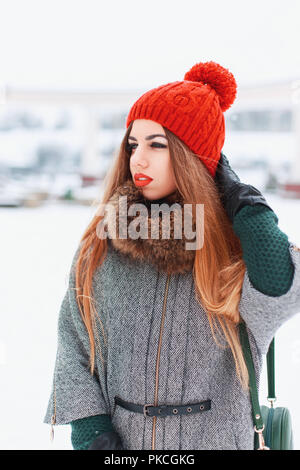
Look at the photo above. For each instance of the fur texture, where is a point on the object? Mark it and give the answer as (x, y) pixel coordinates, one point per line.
(165, 254)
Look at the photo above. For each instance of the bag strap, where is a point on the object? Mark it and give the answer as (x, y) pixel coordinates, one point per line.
(256, 412)
(271, 372)
(270, 363)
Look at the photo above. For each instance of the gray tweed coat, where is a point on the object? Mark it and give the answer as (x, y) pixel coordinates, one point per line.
(163, 350)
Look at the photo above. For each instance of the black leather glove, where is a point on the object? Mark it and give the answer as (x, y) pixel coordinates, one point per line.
(109, 440)
(234, 194)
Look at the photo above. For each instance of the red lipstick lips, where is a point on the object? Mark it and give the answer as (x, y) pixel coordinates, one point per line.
(142, 180)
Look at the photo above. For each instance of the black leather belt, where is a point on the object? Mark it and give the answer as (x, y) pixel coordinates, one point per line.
(164, 410)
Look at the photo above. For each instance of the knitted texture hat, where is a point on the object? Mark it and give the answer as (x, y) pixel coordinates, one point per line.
(192, 109)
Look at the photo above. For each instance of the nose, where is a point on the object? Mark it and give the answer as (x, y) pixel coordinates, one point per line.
(139, 158)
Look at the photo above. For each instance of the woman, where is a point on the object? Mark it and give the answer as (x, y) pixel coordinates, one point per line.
(149, 355)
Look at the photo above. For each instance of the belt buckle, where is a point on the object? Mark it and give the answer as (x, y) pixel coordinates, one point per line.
(145, 411)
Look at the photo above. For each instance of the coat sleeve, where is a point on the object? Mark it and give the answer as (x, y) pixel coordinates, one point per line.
(264, 314)
(76, 393)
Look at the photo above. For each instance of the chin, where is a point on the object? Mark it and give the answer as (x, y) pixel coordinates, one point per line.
(152, 196)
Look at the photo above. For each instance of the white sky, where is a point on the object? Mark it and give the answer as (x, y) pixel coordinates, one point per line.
(139, 44)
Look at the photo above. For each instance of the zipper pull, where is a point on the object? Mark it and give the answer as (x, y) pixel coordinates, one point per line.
(52, 428)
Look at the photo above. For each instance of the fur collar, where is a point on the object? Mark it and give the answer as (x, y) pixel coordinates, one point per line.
(165, 254)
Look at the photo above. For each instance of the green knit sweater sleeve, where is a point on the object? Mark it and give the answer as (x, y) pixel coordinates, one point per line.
(86, 430)
(265, 250)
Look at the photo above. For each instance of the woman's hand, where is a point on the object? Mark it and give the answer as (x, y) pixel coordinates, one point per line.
(109, 440)
(234, 194)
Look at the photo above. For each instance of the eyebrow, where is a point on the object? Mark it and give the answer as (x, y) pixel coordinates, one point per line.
(149, 137)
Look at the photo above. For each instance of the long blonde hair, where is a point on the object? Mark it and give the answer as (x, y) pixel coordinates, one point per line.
(218, 270)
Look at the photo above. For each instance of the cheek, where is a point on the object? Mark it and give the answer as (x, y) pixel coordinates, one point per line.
(166, 162)
(170, 169)
(166, 171)
(162, 169)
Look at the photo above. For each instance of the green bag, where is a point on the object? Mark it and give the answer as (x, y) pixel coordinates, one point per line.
(273, 426)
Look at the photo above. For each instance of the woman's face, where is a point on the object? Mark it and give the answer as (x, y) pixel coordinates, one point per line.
(150, 156)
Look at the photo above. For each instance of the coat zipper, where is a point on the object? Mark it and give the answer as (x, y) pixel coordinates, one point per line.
(158, 359)
(53, 418)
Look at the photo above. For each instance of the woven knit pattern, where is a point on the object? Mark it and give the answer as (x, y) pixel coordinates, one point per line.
(130, 299)
(86, 430)
(266, 254)
(199, 113)
(192, 109)
(265, 249)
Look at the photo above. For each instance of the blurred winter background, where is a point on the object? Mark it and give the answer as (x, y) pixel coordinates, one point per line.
(70, 70)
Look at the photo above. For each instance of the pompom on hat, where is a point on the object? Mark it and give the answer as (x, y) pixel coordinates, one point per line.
(192, 109)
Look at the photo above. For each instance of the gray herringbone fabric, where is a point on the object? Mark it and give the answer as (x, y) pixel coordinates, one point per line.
(129, 297)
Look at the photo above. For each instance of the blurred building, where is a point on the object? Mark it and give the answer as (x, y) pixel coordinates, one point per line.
(264, 128)
(64, 141)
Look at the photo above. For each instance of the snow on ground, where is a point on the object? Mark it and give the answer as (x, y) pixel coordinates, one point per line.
(36, 252)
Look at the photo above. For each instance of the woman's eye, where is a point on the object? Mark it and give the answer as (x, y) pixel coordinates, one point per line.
(154, 144)
(130, 147)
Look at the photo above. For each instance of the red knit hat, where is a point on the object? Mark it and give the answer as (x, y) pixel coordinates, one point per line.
(192, 109)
